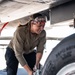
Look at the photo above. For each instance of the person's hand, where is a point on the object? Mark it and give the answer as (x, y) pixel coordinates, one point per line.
(35, 68)
(30, 73)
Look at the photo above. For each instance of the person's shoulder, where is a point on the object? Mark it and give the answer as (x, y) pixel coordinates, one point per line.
(21, 27)
(43, 33)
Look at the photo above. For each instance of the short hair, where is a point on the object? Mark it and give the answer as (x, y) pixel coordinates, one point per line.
(37, 15)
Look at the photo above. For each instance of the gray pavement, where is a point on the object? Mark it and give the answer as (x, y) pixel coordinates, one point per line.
(21, 71)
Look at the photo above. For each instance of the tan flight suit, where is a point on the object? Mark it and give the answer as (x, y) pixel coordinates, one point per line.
(24, 41)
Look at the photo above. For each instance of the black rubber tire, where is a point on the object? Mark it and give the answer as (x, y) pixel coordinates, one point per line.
(62, 55)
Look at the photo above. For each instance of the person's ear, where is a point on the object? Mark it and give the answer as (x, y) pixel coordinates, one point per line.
(32, 22)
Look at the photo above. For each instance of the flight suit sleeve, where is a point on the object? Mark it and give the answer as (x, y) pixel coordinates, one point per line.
(42, 41)
(18, 46)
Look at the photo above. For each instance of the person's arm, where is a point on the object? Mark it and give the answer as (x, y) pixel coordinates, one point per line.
(30, 72)
(38, 58)
(18, 49)
(40, 49)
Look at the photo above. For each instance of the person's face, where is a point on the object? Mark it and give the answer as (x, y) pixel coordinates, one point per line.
(37, 27)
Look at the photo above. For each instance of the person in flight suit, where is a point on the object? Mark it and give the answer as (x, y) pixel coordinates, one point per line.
(21, 47)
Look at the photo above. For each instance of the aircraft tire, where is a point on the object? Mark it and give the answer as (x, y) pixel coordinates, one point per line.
(61, 55)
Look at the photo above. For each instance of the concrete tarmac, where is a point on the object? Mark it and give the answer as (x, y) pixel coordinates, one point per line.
(21, 71)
